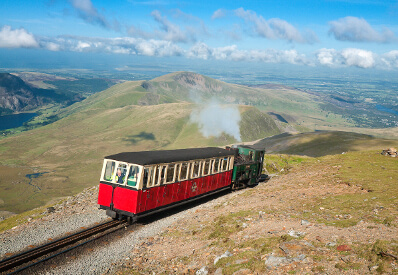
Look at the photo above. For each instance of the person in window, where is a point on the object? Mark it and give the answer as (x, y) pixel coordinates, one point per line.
(119, 176)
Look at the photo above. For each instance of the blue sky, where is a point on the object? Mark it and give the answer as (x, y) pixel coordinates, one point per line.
(354, 33)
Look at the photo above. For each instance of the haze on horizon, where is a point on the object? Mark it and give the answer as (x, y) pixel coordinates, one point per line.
(336, 34)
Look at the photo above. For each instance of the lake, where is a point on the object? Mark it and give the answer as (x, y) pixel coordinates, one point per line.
(385, 109)
(13, 121)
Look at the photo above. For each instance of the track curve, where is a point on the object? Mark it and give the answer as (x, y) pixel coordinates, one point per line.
(37, 252)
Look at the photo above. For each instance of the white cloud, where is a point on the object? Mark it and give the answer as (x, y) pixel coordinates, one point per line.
(203, 51)
(219, 14)
(274, 28)
(169, 31)
(390, 59)
(90, 14)
(51, 46)
(358, 58)
(358, 30)
(17, 38)
(350, 57)
(328, 57)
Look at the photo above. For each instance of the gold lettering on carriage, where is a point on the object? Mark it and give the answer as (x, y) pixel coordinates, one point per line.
(194, 187)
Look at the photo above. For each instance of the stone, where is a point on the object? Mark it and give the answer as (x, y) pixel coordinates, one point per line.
(273, 261)
(305, 222)
(218, 271)
(225, 255)
(202, 271)
(50, 209)
(296, 234)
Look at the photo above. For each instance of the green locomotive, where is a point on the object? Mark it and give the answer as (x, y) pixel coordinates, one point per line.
(248, 164)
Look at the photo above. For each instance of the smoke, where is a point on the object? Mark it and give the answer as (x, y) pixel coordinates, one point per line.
(214, 119)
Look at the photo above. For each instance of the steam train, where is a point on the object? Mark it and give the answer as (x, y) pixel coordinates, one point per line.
(137, 184)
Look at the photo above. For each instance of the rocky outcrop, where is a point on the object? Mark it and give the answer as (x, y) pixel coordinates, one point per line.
(17, 96)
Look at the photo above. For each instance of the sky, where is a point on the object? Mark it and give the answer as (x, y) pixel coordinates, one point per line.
(313, 33)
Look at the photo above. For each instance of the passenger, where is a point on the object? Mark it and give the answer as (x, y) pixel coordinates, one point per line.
(119, 176)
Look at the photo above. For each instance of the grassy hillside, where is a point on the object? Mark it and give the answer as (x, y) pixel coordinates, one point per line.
(323, 143)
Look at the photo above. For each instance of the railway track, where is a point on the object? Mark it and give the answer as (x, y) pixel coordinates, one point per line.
(12, 262)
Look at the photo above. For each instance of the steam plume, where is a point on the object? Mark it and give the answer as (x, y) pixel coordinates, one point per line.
(214, 119)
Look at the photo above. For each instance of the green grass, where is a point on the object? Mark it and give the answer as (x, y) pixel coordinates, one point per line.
(377, 202)
(281, 164)
(226, 225)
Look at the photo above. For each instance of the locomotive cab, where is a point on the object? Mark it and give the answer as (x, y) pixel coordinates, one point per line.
(248, 166)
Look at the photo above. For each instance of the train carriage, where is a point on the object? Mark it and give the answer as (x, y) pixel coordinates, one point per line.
(136, 184)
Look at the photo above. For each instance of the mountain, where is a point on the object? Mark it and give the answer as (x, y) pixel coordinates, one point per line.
(17, 96)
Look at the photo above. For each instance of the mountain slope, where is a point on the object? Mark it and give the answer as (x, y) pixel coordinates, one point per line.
(17, 96)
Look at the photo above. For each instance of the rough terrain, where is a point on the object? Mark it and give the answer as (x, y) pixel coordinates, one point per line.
(261, 230)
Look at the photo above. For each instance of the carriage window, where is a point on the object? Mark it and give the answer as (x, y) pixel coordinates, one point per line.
(206, 167)
(152, 177)
(170, 173)
(224, 164)
(121, 171)
(132, 179)
(109, 169)
(195, 169)
(184, 171)
(162, 172)
(147, 177)
(216, 165)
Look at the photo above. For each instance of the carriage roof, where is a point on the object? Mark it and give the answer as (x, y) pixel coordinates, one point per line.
(166, 156)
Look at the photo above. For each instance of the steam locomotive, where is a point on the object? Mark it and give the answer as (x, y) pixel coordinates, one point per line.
(137, 184)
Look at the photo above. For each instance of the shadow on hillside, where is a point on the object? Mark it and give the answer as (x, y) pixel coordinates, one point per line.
(134, 139)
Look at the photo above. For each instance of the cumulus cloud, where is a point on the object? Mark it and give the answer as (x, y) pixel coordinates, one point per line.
(86, 11)
(17, 38)
(358, 58)
(348, 57)
(390, 59)
(274, 28)
(203, 51)
(358, 30)
(119, 45)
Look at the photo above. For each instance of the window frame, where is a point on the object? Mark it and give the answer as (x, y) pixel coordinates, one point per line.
(187, 174)
(163, 168)
(139, 176)
(215, 171)
(205, 163)
(167, 173)
(193, 163)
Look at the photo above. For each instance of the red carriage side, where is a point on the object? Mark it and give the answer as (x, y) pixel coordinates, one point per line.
(136, 184)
